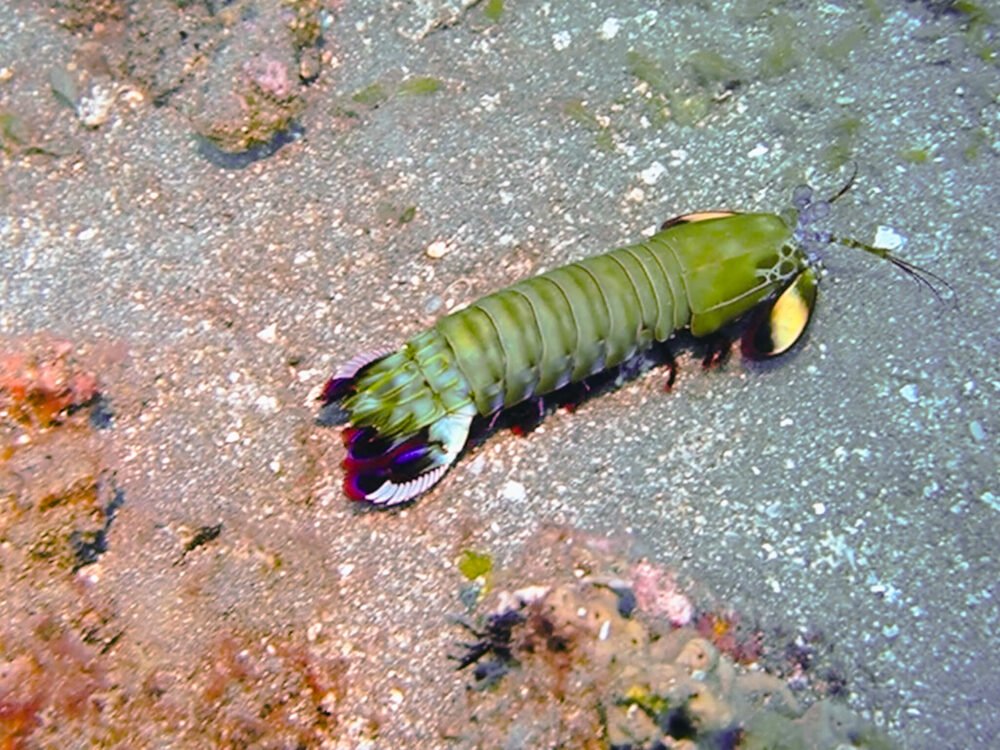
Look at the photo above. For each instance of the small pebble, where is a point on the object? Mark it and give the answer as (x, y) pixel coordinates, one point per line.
(396, 697)
(609, 29)
(652, 174)
(561, 40)
(95, 108)
(888, 238)
(514, 491)
(433, 304)
(605, 631)
(268, 334)
(266, 404)
(437, 249)
(991, 500)
(977, 431)
(678, 156)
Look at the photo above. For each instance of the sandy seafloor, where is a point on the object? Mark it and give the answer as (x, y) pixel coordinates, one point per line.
(852, 490)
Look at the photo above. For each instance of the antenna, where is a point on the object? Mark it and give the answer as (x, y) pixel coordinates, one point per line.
(811, 211)
(922, 276)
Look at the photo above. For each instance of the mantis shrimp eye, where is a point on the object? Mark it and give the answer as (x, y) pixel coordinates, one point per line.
(802, 197)
(775, 328)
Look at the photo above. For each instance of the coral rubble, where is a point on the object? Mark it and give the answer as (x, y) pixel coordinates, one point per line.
(601, 654)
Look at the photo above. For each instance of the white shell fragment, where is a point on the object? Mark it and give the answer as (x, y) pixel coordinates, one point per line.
(437, 249)
(652, 174)
(609, 29)
(514, 491)
(888, 238)
(561, 40)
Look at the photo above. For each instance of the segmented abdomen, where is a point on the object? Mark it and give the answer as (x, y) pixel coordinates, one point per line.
(568, 323)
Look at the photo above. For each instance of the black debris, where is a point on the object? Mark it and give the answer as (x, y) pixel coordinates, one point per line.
(204, 535)
(88, 546)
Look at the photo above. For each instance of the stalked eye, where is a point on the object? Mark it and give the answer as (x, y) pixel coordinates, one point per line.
(776, 327)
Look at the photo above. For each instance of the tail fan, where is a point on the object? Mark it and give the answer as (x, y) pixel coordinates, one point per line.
(388, 471)
(343, 380)
(402, 440)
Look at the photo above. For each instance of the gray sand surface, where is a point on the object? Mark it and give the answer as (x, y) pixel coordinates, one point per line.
(849, 490)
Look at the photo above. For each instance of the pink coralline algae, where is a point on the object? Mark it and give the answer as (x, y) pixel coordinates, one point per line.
(270, 76)
(657, 594)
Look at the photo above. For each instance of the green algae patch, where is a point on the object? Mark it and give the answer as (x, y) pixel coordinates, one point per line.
(710, 68)
(648, 71)
(688, 96)
(576, 111)
(843, 142)
(379, 92)
(782, 56)
(420, 86)
(408, 214)
(387, 213)
(371, 96)
(977, 139)
(473, 565)
(874, 10)
(839, 50)
(493, 10)
(915, 155)
(19, 138)
(978, 22)
(14, 133)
